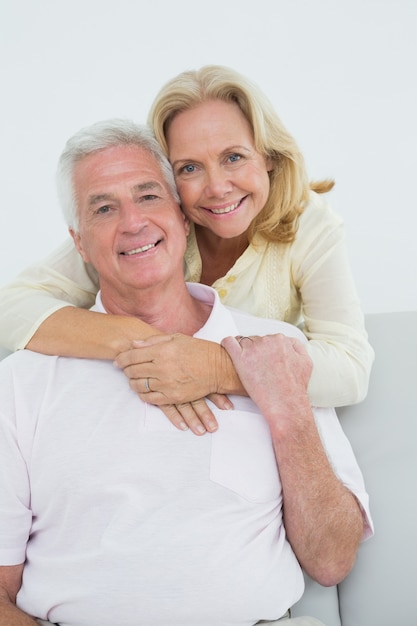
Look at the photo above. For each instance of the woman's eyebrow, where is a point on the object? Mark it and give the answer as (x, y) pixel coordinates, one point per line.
(227, 150)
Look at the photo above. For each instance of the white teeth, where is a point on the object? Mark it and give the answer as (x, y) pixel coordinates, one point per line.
(138, 250)
(227, 209)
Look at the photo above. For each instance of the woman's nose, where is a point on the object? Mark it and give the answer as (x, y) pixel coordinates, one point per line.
(218, 183)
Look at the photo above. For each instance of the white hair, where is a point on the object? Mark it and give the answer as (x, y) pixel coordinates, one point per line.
(99, 136)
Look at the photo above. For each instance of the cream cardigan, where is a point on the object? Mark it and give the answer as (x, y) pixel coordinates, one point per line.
(307, 283)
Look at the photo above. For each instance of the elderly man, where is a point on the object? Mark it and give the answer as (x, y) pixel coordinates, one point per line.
(109, 515)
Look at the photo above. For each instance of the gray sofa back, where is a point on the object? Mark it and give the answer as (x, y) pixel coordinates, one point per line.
(383, 431)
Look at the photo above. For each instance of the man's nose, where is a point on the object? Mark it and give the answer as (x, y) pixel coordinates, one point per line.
(132, 218)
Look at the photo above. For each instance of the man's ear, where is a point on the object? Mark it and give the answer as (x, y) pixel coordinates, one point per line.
(186, 224)
(78, 244)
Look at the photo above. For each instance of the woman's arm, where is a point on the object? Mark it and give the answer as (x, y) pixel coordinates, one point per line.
(76, 332)
(46, 310)
(333, 319)
(60, 280)
(41, 310)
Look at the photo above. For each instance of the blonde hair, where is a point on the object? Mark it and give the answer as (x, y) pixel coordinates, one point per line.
(289, 185)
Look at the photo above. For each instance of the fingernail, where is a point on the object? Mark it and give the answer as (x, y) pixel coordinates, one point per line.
(200, 429)
(183, 426)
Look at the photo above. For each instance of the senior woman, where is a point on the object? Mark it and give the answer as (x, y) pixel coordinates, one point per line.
(262, 235)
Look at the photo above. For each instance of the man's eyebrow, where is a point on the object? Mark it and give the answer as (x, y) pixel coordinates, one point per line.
(98, 198)
(152, 184)
(108, 197)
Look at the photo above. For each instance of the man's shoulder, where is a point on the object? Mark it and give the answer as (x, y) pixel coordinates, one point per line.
(23, 374)
(22, 357)
(251, 325)
(25, 365)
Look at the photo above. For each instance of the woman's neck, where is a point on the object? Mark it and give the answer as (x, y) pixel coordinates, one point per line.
(218, 254)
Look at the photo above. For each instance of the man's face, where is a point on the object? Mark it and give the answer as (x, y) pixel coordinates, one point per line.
(131, 229)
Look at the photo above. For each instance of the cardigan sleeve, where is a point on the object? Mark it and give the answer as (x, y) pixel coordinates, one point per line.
(332, 316)
(61, 279)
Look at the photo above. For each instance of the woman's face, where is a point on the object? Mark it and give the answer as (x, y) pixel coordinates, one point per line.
(222, 180)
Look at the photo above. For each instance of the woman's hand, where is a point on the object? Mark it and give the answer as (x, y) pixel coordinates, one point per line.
(196, 416)
(176, 372)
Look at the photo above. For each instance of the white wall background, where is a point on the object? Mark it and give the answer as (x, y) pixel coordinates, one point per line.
(342, 74)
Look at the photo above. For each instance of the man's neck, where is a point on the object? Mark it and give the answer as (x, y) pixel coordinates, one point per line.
(167, 310)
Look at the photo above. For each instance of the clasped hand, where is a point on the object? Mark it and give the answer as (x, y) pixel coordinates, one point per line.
(177, 373)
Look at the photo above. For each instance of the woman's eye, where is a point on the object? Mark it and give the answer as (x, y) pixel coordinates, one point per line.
(188, 169)
(234, 157)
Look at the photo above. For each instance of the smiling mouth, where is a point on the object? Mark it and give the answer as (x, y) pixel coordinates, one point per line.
(141, 249)
(227, 209)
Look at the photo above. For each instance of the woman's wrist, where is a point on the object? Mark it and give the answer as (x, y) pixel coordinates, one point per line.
(226, 379)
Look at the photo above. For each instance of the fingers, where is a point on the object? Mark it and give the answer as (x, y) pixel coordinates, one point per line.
(236, 346)
(137, 354)
(298, 346)
(195, 416)
(146, 390)
(242, 338)
(221, 401)
(232, 346)
(198, 417)
(171, 412)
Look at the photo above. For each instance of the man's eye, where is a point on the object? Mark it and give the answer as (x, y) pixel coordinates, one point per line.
(149, 196)
(103, 209)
